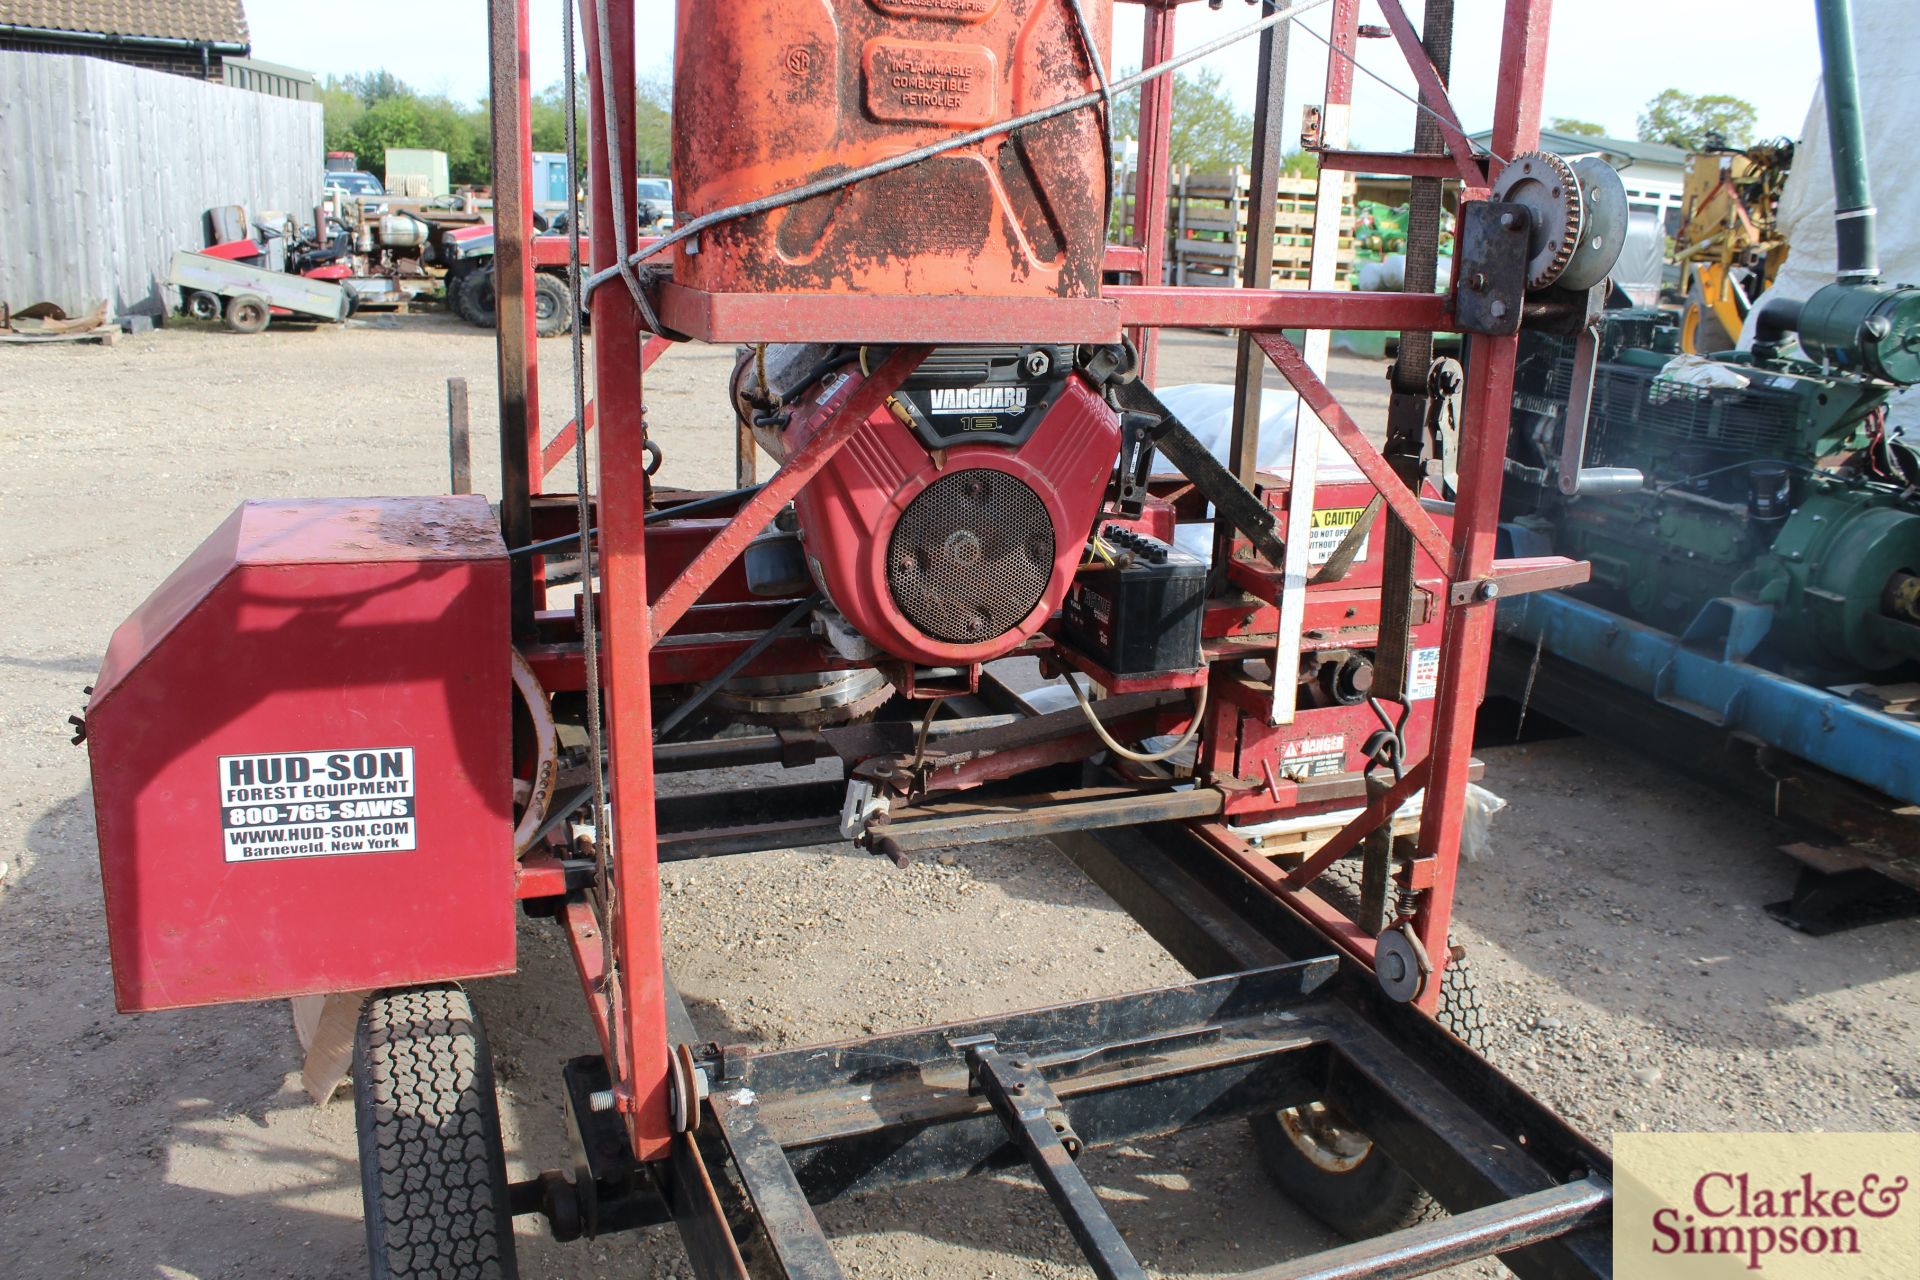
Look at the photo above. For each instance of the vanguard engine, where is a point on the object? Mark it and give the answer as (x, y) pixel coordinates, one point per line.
(950, 526)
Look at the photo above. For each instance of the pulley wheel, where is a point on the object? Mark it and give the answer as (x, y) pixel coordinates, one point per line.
(1605, 231)
(1400, 965)
(1546, 186)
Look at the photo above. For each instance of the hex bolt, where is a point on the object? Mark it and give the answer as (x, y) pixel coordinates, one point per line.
(1038, 363)
(1497, 309)
(1478, 283)
(1488, 590)
(1510, 221)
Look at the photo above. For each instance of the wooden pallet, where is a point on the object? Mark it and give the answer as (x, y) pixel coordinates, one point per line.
(1207, 224)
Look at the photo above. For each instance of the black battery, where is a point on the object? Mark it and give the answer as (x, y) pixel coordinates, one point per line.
(1143, 613)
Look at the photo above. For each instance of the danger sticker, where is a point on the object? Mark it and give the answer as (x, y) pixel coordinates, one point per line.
(1329, 528)
(1318, 757)
(1423, 673)
(314, 804)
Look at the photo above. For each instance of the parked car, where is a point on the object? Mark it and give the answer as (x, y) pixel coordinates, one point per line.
(655, 204)
(354, 182)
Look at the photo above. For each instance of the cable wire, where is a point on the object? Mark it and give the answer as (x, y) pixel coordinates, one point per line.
(603, 845)
(610, 129)
(1127, 753)
(823, 186)
(1445, 124)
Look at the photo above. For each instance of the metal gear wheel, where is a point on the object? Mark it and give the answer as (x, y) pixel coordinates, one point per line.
(1549, 190)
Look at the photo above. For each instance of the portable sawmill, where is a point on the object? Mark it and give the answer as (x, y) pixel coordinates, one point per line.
(350, 741)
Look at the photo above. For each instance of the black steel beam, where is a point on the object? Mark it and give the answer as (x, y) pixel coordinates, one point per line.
(1027, 1106)
(512, 276)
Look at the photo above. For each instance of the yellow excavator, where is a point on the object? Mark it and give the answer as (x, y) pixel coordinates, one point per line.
(1729, 245)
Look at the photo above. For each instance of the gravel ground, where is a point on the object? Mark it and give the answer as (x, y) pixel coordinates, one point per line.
(1614, 926)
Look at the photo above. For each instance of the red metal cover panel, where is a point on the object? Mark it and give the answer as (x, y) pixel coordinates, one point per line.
(300, 753)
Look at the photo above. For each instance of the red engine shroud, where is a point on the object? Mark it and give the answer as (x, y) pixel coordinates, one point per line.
(849, 511)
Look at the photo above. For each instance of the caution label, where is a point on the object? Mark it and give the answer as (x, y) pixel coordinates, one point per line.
(313, 804)
(1319, 757)
(1329, 528)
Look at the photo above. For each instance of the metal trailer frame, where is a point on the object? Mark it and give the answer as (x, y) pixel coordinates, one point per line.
(733, 1145)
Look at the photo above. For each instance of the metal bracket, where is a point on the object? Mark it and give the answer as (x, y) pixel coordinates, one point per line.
(862, 806)
(1232, 501)
(1037, 1121)
(1490, 274)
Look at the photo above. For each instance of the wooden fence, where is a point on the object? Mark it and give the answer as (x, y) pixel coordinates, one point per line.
(105, 170)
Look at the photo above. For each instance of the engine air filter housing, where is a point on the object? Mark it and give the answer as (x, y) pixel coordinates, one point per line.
(971, 556)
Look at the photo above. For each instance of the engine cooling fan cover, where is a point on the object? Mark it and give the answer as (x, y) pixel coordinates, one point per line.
(971, 556)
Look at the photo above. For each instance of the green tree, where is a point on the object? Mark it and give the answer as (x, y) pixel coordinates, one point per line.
(340, 110)
(1578, 128)
(368, 113)
(653, 126)
(1684, 120)
(374, 86)
(1301, 164)
(1209, 131)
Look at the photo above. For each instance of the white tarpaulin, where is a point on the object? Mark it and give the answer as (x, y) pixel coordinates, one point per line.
(1206, 409)
(1887, 51)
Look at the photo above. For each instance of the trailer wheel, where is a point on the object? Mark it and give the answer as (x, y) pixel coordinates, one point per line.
(247, 313)
(433, 1176)
(475, 300)
(1332, 1170)
(552, 305)
(202, 305)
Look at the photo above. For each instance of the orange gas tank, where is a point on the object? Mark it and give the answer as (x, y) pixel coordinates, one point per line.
(771, 94)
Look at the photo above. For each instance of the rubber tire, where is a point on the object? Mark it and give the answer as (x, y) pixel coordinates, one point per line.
(202, 305)
(248, 313)
(476, 302)
(552, 306)
(433, 1175)
(1376, 1196)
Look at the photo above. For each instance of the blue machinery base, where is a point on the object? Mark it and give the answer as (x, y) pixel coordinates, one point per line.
(1702, 673)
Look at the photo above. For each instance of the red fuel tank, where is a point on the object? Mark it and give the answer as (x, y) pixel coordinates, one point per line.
(774, 94)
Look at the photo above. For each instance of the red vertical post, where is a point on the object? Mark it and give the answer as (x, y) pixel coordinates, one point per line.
(639, 1010)
(1150, 173)
(1467, 638)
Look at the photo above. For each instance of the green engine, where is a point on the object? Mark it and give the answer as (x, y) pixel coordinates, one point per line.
(1769, 476)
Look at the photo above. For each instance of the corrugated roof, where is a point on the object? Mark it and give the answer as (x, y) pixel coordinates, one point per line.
(211, 21)
(1583, 144)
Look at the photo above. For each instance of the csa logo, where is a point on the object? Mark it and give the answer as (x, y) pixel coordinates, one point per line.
(1709, 1205)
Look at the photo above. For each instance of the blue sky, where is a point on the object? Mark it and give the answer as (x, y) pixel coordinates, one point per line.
(1606, 58)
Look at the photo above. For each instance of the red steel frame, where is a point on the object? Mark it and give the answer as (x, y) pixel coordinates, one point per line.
(624, 983)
